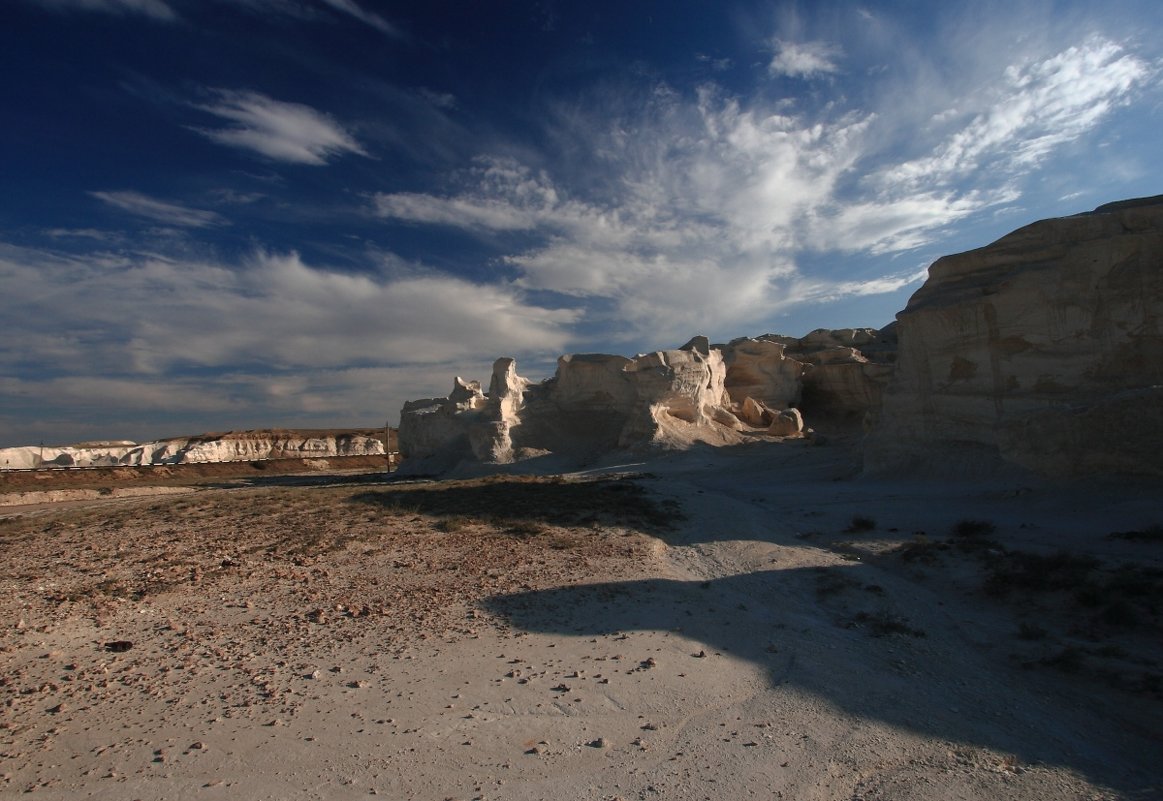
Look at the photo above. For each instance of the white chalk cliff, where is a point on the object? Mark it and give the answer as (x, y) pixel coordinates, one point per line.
(1043, 350)
(229, 447)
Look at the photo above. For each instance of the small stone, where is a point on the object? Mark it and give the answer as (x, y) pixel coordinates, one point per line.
(601, 742)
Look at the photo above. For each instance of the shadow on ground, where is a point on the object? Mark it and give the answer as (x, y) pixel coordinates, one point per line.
(835, 633)
(876, 646)
(547, 500)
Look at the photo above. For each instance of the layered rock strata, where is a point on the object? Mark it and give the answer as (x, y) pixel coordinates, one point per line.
(229, 447)
(1043, 350)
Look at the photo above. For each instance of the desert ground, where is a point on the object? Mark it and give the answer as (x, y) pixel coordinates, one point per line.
(748, 622)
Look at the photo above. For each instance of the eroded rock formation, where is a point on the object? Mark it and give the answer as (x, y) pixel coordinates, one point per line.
(596, 404)
(1043, 349)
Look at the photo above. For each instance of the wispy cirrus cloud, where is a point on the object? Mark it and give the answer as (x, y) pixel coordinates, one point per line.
(708, 200)
(159, 210)
(697, 231)
(289, 132)
(804, 59)
(1036, 107)
(353, 9)
(978, 154)
(157, 9)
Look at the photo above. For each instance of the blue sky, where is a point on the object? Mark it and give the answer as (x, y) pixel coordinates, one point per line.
(226, 214)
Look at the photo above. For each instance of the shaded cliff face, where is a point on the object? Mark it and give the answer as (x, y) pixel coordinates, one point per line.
(1043, 349)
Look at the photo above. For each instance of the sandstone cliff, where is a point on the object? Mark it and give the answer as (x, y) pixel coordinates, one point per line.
(1043, 350)
(596, 404)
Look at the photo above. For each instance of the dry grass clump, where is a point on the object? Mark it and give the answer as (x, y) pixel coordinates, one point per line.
(920, 549)
(973, 528)
(1081, 615)
(1030, 572)
(885, 624)
(1151, 534)
(860, 523)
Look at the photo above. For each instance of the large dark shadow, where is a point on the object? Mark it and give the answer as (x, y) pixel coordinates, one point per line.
(836, 633)
(511, 499)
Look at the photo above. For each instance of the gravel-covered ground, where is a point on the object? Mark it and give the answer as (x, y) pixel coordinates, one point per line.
(742, 624)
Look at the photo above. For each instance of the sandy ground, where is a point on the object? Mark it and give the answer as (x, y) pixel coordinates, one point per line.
(753, 622)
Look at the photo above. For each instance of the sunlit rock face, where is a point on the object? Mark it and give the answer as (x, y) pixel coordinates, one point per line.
(258, 446)
(229, 447)
(593, 405)
(598, 404)
(1043, 350)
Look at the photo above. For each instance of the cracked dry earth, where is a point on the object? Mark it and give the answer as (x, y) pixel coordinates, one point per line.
(708, 630)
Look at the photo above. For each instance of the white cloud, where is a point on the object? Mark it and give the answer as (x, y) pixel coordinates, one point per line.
(982, 149)
(892, 224)
(804, 59)
(1035, 108)
(109, 332)
(82, 233)
(159, 210)
(367, 17)
(149, 314)
(289, 132)
(697, 231)
(443, 100)
(158, 9)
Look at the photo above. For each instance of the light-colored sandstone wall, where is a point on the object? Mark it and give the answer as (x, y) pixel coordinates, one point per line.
(1043, 350)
